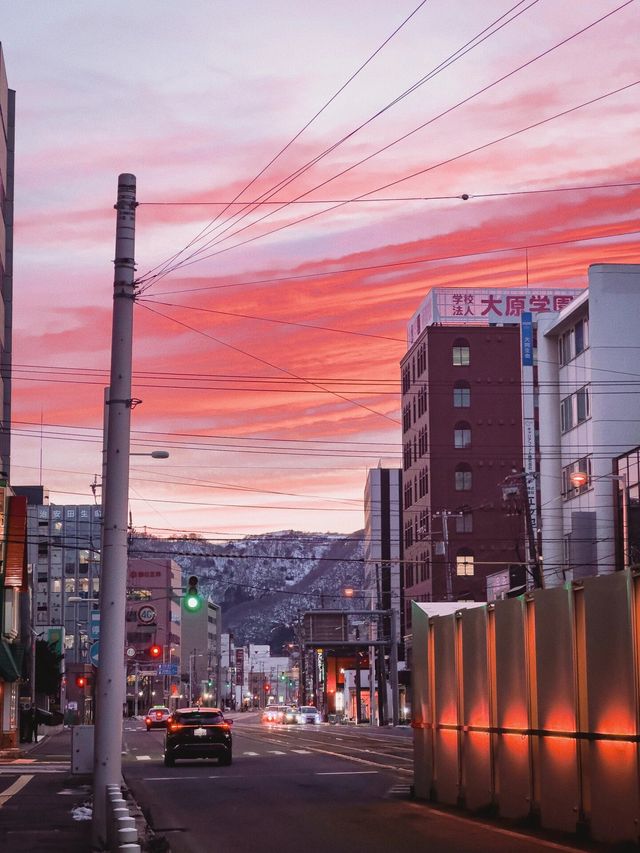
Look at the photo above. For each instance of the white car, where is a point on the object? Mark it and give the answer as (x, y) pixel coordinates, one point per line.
(308, 714)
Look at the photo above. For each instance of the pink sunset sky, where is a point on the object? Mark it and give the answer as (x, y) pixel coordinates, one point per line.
(268, 361)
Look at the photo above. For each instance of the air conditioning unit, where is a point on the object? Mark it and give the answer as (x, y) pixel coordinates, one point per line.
(439, 552)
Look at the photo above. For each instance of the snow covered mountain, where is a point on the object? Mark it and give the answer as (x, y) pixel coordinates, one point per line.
(263, 582)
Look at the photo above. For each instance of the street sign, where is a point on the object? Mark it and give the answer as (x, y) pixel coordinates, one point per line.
(94, 653)
(147, 614)
(131, 652)
(167, 669)
(94, 624)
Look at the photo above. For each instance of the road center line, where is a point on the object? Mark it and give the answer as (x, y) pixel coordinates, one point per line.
(346, 772)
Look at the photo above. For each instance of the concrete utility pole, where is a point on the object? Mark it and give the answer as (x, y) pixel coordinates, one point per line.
(445, 515)
(110, 692)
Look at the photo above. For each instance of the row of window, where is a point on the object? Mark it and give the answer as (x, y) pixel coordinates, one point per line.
(573, 342)
(575, 409)
(415, 448)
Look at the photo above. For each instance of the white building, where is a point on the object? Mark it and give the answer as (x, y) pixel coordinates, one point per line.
(589, 413)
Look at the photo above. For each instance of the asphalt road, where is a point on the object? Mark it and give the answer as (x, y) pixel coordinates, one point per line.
(329, 789)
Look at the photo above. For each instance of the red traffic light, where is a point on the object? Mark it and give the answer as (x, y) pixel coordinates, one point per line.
(267, 687)
(81, 681)
(155, 651)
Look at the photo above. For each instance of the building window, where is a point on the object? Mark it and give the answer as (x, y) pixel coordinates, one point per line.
(575, 409)
(463, 477)
(583, 406)
(464, 521)
(423, 441)
(423, 524)
(408, 494)
(460, 353)
(422, 400)
(464, 563)
(571, 487)
(408, 534)
(423, 482)
(406, 455)
(566, 414)
(462, 435)
(461, 395)
(406, 417)
(581, 337)
(422, 359)
(406, 379)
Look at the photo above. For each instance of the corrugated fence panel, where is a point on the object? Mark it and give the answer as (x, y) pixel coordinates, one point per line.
(612, 709)
(477, 774)
(513, 783)
(556, 709)
(422, 716)
(446, 737)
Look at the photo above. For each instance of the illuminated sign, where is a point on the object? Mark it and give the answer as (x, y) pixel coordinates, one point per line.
(481, 306)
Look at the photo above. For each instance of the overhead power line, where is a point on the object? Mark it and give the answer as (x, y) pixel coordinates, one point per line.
(483, 90)
(316, 115)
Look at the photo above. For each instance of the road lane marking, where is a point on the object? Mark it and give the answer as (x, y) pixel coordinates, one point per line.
(143, 758)
(276, 752)
(251, 753)
(346, 773)
(301, 751)
(17, 786)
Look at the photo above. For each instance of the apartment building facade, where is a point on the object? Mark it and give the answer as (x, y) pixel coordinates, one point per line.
(589, 425)
(469, 424)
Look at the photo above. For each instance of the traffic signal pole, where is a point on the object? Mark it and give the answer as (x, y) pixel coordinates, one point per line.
(110, 692)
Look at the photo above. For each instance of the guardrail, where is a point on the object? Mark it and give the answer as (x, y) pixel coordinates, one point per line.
(529, 708)
(122, 834)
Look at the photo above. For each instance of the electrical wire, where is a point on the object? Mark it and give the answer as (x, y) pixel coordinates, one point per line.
(316, 115)
(264, 361)
(483, 90)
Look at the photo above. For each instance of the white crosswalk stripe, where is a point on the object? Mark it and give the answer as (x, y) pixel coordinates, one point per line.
(302, 751)
(251, 753)
(276, 752)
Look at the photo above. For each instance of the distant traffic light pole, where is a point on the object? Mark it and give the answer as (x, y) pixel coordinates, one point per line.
(110, 692)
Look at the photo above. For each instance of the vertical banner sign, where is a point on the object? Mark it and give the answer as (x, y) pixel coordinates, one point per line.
(528, 414)
(527, 339)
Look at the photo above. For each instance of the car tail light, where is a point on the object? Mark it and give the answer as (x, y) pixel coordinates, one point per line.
(158, 715)
(147, 719)
(175, 726)
(225, 726)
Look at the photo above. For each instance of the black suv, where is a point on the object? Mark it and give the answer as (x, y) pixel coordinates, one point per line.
(198, 733)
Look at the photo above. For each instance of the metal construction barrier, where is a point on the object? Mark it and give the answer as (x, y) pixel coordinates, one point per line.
(122, 834)
(529, 707)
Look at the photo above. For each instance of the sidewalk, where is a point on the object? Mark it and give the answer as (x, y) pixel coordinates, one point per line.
(42, 801)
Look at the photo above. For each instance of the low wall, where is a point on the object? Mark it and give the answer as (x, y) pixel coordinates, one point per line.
(529, 707)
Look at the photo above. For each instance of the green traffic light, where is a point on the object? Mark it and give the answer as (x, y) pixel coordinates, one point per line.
(192, 602)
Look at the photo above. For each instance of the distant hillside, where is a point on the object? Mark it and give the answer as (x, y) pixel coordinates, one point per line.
(262, 582)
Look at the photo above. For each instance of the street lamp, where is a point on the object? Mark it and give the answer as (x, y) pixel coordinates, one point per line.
(155, 454)
(579, 479)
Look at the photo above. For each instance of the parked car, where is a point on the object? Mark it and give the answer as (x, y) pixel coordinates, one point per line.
(308, 714)
(156, 717)
(273, 714)
(198, 733)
